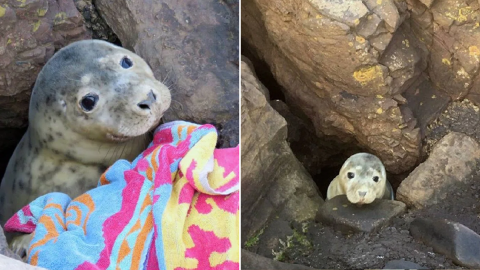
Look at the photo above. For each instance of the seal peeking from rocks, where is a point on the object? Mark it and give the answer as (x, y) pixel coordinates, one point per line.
(92, 104)
(363, 179)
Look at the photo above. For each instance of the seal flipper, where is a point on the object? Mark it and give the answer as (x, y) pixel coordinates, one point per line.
(389, 194)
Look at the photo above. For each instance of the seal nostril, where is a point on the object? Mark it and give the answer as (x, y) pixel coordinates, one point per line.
(362, 193)
(143, 105)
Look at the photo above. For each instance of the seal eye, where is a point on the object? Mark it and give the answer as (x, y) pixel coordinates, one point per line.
(375, 178)
(126, 63)
(88, 102)
(350, 175)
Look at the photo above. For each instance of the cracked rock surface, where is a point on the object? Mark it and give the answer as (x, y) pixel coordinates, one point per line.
(370, 73)
(275, 181)
(31, 31)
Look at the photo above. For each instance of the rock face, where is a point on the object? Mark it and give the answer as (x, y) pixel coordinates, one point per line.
(452, 34)
(456, 241)
(344, 64)
(7, 263)
(452, 159)
(253, 261)
(193, 47)
(400, 264)
(347, 217)
(273, 180)
(30, 32)
(93, 22)
(369, 73)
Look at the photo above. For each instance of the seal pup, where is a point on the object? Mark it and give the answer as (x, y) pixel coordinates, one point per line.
(363, 179)
(92, 104)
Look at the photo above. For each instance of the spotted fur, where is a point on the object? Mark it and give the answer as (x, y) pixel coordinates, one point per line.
(361, 188)
(66, 149)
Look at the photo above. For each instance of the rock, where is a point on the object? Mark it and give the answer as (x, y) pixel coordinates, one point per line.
(4, 250)
(93, 22)
(426, 102)
(7, 263)
(452, 35)
(452, 239)
(273, 180)
(348, 85)
(30, 33)
(253, 261)
(269, 240)
(347, 218)
(193, 47)
(451, 160)
(401, 264)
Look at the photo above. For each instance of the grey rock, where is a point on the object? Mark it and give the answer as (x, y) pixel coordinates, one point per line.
(348, 218)
(452, 159)
(348, 12)
(94, 22)
(7, 263)
(369, 26)
(269, 240)
(401, 264)
(452, 239)
(253, 261)
(273, 180)
(426, 102)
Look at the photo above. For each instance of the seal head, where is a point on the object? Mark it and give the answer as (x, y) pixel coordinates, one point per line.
(95, 91)
(362, 178)
(92, 104)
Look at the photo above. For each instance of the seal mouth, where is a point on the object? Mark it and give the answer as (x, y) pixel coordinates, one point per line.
(118, 138)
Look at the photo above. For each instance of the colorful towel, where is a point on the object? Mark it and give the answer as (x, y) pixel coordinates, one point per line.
(176, 206)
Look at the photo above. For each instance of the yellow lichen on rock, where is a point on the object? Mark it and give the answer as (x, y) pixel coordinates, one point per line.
(360, 39)
(446, 61)
(367, 74)
(462, 15)
(22, 3)
(42, 11)
(2, 11)
(474, 51)
(36, 26)
(60, 18)
(379, 111)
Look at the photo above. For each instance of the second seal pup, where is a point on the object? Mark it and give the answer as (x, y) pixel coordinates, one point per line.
(363, 179)
(92, 103)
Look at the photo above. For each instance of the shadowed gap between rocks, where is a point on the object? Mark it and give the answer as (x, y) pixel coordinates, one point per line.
(263, 73)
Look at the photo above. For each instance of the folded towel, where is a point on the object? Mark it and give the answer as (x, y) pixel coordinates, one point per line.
(176, 206)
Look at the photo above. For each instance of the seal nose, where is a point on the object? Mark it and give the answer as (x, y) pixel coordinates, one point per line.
(362, 193)
(145, 104)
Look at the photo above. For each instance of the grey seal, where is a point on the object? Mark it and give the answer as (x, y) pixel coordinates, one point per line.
(92, 104)
(363, 179)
